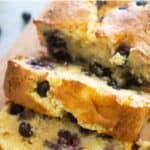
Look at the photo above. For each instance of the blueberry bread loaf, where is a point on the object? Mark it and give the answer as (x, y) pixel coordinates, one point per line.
(113, 34)
(54, 89)
(22, 129)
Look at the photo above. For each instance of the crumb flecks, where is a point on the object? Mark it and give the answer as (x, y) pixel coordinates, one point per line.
(118, 60)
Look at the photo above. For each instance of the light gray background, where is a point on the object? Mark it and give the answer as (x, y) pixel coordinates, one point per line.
(11, 22)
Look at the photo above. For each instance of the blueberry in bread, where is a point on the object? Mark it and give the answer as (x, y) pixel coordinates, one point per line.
(113, 34)
(54, 89)
(50, 134)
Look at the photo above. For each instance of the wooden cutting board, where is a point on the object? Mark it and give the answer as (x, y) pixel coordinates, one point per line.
(28, 45)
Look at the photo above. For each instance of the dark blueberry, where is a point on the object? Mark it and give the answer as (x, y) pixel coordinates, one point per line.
(64, 137)
(96, 69)
(106, 72)
(55, 41)
(80, 61)
(135, 147)
(16, 109)
(26, 115)
(123, 49)
(36, 63)
(47, 117)
(104, 136)
(131, 81)
(141, 2)
(65, 141)
(61, 55)
(67, 138)
(71, 117)
(42, 88)
(26, 16)
(85, 131)
(113, 84)
(99, 71)
(25, 129)
(100, 3)
(57, 47)
(123, 7)
(42, 62)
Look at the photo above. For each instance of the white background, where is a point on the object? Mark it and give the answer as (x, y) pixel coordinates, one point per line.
(11, 22)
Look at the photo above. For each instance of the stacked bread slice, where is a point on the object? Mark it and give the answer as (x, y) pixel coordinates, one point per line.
(115, 34)
(23, 129)
(55, 89)
(96, 71)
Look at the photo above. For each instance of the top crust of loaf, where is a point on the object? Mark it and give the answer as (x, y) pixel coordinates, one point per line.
(92, 107)
(72, 13)
(67, 13)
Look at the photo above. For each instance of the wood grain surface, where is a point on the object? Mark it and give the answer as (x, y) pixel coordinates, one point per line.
(28, 45)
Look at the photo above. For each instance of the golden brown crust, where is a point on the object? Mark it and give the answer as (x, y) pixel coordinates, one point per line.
(73, 13)
(96, 108)
(91, 108)
(67, 13)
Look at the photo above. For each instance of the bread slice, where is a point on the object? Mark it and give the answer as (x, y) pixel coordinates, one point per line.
(114, 34)
(53, 89)
(22, 129)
